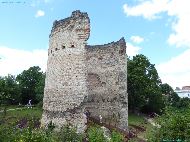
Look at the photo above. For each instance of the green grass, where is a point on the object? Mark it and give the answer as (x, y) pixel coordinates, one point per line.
(134, 119)
(9, 107)
(147, 132)
(24, 112)
(138, 120)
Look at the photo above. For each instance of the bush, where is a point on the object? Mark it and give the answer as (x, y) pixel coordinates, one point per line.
(9, 134)
(174, 125)
(95, 134)
(183, 103)
(28, 135)
(24, 130)
(27, 130)
(69, 134)
(116, 137)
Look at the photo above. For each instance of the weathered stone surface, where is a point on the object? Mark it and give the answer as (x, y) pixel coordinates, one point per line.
(80, 77)
(107, 82)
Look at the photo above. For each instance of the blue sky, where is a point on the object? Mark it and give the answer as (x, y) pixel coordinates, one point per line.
(159, 29)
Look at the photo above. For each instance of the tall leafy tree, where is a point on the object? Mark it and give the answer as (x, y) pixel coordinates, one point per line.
(31, 82)
(9, 90)
(39, 89)
(143, 85)
(171, 98)
(3, 96)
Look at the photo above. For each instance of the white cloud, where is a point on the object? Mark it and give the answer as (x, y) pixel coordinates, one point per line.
(176, 71)
(151, 9)
(132, 50)
(181, 30)
(137, 39)
(147, 9)
(39, 13)
(14, 61)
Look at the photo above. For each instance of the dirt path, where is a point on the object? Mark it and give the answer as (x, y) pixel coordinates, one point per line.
(13, 109)
(151, 121)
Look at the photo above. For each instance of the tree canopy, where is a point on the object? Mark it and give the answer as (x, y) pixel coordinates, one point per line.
(9, 90)
(144, 91)
(171, 97)
(31, 82)
(29, 85)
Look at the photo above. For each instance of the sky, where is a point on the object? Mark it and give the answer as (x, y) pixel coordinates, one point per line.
(159, 29)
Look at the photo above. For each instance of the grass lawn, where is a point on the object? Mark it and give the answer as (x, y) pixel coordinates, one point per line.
(13, 116)
(26, 112)
(8, 107)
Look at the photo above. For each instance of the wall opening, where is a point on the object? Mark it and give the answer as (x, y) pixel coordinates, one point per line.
(63, 47)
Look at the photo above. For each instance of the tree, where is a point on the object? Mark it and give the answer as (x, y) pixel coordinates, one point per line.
(143, 85)
(9, 90)
(183, 103)
(39, 89)
(2, 92)
(166, 89)
(171, 98)
(31, 83)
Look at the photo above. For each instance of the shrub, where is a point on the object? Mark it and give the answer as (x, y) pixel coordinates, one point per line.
(174, 125)
(24, 131)
(29, 135)
(69, 134)
(116, 137)
(9, 134)
(95, 134)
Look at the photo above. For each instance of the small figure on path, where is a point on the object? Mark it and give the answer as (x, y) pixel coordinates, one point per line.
(29, 104)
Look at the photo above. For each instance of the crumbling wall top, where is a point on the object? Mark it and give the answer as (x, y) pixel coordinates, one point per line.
(78, 20)
(121, 44)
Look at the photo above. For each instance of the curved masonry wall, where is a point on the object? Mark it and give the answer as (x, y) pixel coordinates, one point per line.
(65, 86)
(81, 77)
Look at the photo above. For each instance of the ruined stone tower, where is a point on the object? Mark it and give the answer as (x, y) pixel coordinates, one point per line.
(82, 78)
